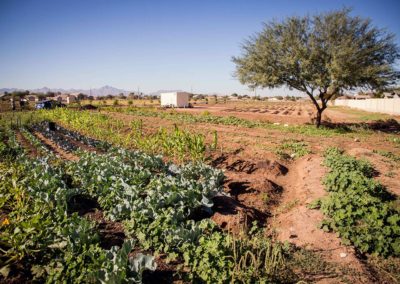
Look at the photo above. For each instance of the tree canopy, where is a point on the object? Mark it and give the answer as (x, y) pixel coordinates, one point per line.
(320, 55)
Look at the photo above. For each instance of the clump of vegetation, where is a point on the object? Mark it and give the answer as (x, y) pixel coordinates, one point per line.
(183, 145)
(388, 154)
(395, 140)
(292, 149)
(179, 144)
(37, 235)
(386, 268)
(359, 208)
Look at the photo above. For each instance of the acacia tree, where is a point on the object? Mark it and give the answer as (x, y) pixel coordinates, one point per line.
(320, 55)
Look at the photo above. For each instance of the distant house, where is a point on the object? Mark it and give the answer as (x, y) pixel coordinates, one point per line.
(65, 98)
(33, 98)
(175, 99)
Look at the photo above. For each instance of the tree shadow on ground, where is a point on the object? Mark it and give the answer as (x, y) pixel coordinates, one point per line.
(387, 126)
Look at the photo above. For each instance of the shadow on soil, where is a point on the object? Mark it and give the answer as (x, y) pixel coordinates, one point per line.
(387, 126)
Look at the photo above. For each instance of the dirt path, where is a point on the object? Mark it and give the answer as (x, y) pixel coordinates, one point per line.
(30, 149)
(296, 223)
(54, 147)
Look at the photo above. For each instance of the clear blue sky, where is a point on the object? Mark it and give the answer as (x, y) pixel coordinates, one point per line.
(151, 44)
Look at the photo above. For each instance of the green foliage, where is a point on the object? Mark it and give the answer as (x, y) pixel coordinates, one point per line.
(183, 145)
(179, 144)
(292, 149)
(38, 232)
(320, 55)
(388, 154)
(359, 208)
(222, 258)
(395, 140)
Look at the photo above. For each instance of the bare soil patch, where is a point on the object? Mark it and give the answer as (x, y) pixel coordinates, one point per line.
(31, 150)
(249, 190)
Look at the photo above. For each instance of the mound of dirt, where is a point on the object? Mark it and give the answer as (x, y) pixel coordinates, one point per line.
(234, 216)
(88, 107)
(250, 190)
(232, 163)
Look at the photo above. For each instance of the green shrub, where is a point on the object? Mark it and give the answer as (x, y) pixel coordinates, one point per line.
(291, 149)
(358, 207)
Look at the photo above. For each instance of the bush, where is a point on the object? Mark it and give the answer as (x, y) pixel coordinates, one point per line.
(358, 207)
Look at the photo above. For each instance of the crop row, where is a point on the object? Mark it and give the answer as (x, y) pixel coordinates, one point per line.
(40, 240)
(227, 120)
(179, 144)
(358, 207)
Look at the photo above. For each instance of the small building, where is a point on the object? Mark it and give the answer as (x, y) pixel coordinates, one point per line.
(65, 98)
(34, 98)
(175, 99)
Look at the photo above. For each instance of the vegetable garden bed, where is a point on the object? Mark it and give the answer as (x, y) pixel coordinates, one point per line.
(46, 238)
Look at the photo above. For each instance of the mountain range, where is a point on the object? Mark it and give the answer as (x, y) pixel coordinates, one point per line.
(103, 91)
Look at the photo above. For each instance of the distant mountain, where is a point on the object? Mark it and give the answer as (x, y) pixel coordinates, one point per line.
(103, 91)
(10, 90)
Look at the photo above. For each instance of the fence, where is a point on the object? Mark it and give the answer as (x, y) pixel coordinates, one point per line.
(389, 106)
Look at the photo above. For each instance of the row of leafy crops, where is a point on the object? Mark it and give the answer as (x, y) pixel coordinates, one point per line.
(40, 239)
(358, 207)
(226, 120)
(44, 239)
(179, 144)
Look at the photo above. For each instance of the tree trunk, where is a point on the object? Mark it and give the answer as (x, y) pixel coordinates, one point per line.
(318, 118)
(319, 108)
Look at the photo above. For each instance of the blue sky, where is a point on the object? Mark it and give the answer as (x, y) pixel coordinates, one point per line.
(148, 44)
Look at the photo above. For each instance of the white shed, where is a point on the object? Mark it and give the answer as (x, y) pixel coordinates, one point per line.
(175, 99)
